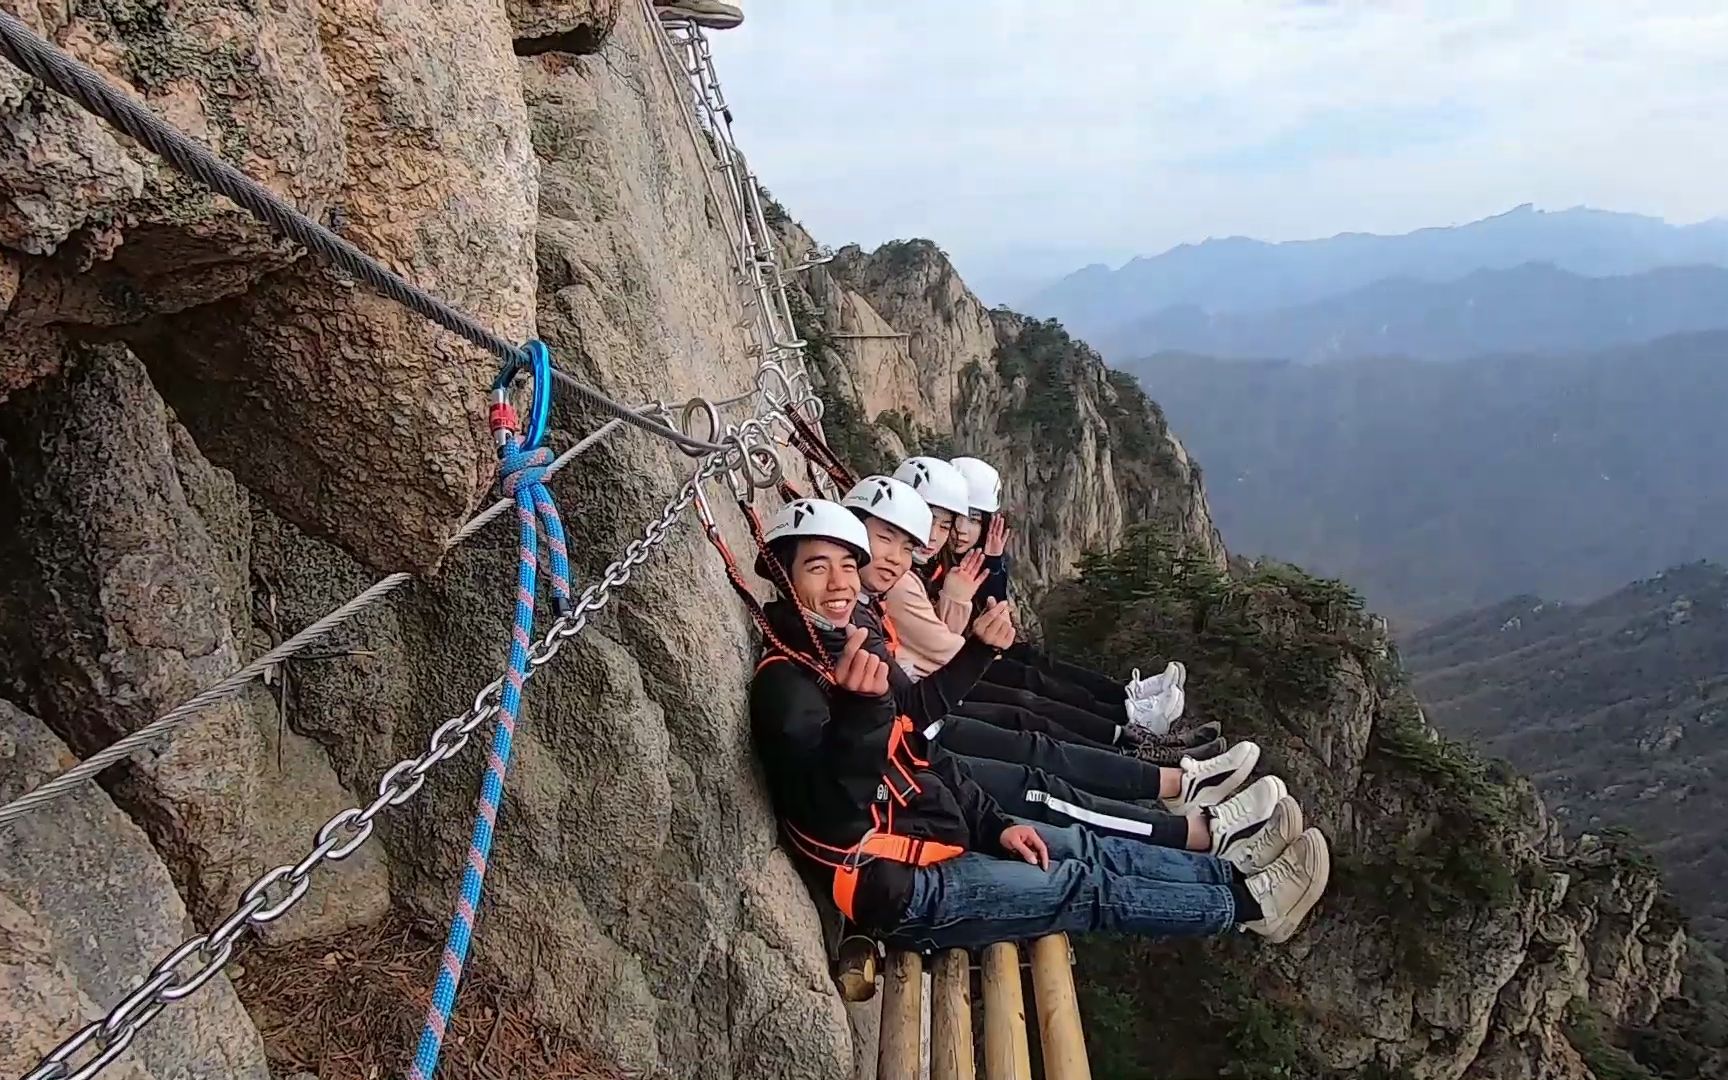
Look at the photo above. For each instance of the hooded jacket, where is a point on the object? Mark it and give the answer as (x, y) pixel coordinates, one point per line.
(824, 751)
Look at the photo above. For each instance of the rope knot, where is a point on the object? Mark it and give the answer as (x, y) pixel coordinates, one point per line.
(520, 469)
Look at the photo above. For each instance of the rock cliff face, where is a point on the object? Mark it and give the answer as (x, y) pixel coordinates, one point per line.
(1461, 933)
(86, 907)
(207, 442)
(404, 127)
(912, 361)
(638, 888)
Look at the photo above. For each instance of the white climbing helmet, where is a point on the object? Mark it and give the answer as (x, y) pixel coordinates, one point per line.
(939, 483)
(821, 519)
(892, 501)
(983, 483)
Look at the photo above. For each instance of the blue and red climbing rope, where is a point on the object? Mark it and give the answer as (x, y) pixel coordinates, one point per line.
(522, 473)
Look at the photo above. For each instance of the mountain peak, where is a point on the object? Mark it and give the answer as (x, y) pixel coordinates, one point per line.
(1238, 274)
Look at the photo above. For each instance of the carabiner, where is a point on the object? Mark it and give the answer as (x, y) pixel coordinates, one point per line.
(503, 417)
(700, 406)
(776, 388)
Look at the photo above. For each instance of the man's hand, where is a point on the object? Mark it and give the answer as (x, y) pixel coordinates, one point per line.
(859, 671)
(995, 627)
(1024, 841)
(961, 583)
(997, 541)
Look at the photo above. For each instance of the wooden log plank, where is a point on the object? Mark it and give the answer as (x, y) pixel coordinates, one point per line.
(1058, 1011)
(901, 1041)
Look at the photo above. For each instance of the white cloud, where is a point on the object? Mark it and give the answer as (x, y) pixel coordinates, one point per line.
(1088, 129)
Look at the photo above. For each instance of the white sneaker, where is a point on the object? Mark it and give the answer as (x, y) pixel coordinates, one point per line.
(1146, 717)
(1153, 716)
(1210, 782)
(1174, 674)
(1254, 826)
(1172, 702)
(1288, 889)
(713, 14)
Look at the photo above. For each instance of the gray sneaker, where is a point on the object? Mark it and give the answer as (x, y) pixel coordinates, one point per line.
(1288, 889)
(1169, 754)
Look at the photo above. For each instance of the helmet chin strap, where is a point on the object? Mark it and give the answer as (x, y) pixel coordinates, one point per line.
(821, 621)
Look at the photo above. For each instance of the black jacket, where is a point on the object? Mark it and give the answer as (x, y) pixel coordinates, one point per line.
(931, 698)
(825, 750)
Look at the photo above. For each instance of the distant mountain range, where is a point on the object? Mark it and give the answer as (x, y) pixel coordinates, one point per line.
(1617, 708)
(1536, 307)
(1236, 274)
(1436, 488)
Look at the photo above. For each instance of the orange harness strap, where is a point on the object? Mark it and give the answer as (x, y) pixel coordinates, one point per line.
(909, 850)
(890, 633)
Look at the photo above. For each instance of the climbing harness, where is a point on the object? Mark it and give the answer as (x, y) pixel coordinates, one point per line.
(812, 659)
(898, 787)
(522, 474)
(814, 448)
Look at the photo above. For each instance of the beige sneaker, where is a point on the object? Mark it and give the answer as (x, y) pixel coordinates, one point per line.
(1288, 889)
(713, 14)
(1254, 826)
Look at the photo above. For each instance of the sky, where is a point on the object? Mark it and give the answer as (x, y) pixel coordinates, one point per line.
(1029, 139)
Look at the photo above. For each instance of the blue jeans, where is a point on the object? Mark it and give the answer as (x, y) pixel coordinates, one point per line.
(1094, 883)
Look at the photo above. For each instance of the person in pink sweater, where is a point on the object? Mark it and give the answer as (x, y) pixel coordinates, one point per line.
(929, 633)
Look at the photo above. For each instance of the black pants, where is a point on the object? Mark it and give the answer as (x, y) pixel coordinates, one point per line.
(1018, 676)
(1014, 718)
(1083, 722)
(1036, 795)
(1099, 685)
(1104, 773)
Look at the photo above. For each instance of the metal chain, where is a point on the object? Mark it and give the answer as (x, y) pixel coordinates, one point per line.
(197, 960)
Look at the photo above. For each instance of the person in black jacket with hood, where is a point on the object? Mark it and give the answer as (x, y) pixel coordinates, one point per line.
(920, 855)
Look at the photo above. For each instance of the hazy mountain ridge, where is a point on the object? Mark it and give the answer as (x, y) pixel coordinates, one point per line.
(1534, 307)
(1617, 708)
(1236, 274)
(1436, 488)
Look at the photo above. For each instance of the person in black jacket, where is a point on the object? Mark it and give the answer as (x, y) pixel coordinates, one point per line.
(920, 855)
(840, 759)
